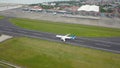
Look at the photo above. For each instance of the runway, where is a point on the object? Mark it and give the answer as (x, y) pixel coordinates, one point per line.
(107, 44)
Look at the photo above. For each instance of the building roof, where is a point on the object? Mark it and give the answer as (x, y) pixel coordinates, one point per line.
(89, 8)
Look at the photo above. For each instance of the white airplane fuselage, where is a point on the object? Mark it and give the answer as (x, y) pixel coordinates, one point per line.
(63, 38)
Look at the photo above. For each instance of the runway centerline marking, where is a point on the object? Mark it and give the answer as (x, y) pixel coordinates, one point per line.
(101, 44)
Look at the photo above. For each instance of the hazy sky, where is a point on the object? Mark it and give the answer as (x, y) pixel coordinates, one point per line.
(27, 1)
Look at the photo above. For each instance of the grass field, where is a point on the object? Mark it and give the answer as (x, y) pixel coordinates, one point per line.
(36, 53)
(62, 28)
(4, 66)
(1, 17)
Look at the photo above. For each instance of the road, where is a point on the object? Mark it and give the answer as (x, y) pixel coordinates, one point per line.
(107, 44)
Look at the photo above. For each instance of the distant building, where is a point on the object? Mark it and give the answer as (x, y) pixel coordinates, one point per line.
(89, 10)
(36, 8)
(49, 3)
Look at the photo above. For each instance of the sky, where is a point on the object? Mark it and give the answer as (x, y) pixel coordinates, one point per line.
(26, 1)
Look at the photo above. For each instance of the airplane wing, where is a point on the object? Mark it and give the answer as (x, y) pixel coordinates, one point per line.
(63, 39)
(67, 35)
(70, 37)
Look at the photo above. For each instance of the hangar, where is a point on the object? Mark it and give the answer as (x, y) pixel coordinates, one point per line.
(88, 8)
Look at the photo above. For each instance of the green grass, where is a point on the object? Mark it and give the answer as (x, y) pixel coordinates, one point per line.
(4, 66)
(1, 17)
(63, 28)
(35, 53)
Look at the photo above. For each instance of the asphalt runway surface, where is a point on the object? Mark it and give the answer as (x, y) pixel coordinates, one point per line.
(105, 44)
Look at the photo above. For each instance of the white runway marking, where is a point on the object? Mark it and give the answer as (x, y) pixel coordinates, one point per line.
(4, 37)
(9, 64)
(100, 44)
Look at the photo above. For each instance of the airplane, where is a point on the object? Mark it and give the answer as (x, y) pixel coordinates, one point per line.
(65, 37)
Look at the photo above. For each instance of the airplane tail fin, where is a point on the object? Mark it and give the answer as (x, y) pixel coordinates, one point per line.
(73, 36)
